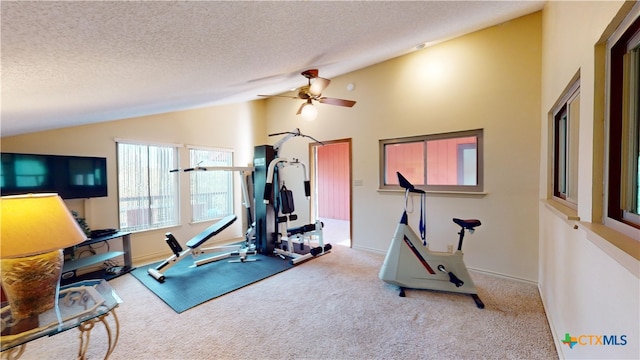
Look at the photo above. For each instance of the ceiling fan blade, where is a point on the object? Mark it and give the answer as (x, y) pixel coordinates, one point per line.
(300, 108)
(282, 96)
(339, 102)
(318, 85)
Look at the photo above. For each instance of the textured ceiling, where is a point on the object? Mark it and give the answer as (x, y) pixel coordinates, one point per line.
(77, 62)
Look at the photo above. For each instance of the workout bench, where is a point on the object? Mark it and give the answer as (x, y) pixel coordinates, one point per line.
(194, 248)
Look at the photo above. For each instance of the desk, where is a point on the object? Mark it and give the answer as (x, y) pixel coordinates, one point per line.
(71, 266)
(81, 305)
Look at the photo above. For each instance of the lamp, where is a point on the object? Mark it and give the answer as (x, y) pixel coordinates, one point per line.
(308, 111)
(35, 228)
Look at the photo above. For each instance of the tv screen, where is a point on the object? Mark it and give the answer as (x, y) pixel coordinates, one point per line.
(72, 177)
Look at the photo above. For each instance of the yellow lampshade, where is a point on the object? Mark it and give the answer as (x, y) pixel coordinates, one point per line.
(36, 223)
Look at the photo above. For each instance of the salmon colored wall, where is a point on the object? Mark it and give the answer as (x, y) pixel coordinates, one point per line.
(442, 157)
(406, 158)
(333, 181)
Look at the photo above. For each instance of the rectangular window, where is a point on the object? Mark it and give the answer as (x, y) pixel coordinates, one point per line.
(438, 162)
(147, 192)
(211, 191)
(566, 127)
(623, 178)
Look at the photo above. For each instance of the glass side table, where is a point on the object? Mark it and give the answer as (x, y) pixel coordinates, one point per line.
(82, 305)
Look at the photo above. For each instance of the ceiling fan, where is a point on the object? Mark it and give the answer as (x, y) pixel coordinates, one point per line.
(313, 92)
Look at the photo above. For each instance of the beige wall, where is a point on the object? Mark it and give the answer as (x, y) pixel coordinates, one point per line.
(588, 286)
(489, 79)
(236, 127)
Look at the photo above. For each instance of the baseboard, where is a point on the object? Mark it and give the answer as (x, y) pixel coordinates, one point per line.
(556, 337)
(368, 249)
(151, 258)
(504, 276)
(482, 271)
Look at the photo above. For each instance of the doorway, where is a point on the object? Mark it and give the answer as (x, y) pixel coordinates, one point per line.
(331, 183)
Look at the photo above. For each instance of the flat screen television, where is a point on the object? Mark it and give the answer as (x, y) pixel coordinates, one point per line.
(72, 177)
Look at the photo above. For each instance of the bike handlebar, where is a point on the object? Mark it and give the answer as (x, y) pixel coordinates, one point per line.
(404, 183)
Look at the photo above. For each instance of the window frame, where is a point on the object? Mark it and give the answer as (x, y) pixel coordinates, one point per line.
(565, 159)
(618, 123)
(477, 188)
(174, 182)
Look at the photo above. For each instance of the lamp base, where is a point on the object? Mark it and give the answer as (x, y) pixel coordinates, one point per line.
(31, 283)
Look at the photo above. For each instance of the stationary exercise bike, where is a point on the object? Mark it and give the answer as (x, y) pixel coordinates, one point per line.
(409, 264)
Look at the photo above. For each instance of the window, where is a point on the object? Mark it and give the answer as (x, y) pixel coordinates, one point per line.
(566, 126)
(439, 162)
(147, 192)
(211, 191)
(623, 184)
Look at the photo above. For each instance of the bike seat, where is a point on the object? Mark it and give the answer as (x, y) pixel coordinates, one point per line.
(467, 224)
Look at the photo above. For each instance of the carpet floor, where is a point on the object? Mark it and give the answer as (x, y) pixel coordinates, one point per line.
(332, 307)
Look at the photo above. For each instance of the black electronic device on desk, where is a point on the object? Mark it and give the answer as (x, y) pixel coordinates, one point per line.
(75, 263)
(102, 232)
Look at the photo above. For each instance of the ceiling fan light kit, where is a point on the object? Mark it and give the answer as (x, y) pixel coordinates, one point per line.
(309, 112)
(313, 91)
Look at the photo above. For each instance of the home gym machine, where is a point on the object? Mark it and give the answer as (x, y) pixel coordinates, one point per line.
(195, 246)
(275, 211)
(409, 264)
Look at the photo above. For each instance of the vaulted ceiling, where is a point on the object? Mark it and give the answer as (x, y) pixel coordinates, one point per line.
(67, 63)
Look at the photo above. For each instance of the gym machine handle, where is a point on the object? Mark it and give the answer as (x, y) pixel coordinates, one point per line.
(268, 189)
(307, 188)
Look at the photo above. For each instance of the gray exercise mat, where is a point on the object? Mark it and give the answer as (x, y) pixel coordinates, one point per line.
(186, 287)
